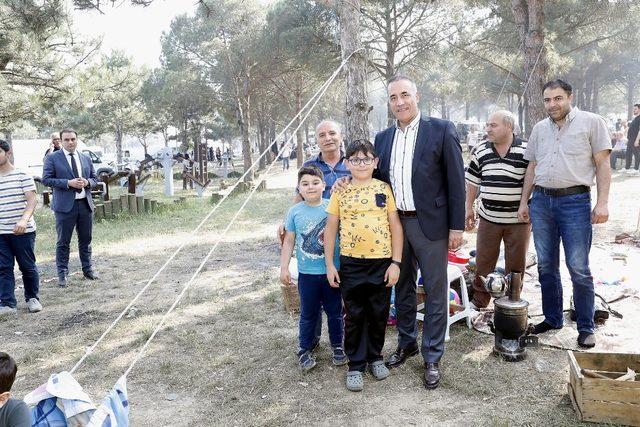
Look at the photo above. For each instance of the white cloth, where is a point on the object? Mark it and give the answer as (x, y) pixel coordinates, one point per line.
(76, 158)
(401, 170)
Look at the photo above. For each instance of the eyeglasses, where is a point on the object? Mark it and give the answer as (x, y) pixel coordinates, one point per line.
(355, 161)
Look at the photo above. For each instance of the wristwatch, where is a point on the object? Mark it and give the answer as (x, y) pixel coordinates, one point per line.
(398, 263)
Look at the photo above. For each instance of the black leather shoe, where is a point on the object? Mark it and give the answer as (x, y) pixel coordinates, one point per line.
(91, 275)
(431, 375)
(401, 355)
(62, 282)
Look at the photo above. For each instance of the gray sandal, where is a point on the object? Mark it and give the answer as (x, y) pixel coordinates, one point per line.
(355, 382)
(379, 370)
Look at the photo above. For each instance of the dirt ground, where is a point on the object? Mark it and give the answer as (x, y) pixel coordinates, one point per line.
(227, 354)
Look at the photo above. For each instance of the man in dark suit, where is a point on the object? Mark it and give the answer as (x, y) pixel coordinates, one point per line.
(71, 175)
(421, 158)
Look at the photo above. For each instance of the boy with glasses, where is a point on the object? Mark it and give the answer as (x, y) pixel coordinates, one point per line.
(370, 260)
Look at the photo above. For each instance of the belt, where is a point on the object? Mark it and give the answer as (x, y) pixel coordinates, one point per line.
(557, 192)
(407, 214)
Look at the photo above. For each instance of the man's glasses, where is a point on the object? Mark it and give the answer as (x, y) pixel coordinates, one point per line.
(355, 161)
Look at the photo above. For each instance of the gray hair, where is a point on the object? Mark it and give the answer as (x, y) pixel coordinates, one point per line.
(399, 77)
(508, 118)
(337, 124)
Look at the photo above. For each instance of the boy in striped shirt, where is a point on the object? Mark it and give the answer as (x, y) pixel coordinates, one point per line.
(17, 235)
(497, 167)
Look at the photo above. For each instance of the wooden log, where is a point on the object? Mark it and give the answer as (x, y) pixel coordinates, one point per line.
(140, 203)
(98, 214)
(262, 186)
(147, 205)
(131, 183)
(124, 202)
(46, 198)
(116, 207)
(108, 210)
(133, 205)
(154, 206)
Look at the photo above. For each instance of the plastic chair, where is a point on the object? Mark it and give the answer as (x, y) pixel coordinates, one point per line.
(453, 273)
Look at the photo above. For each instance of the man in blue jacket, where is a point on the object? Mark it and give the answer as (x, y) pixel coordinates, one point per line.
(421, 158)
(71, 175)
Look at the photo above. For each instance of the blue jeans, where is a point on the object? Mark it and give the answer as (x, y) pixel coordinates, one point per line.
(566, 218)
(21, 249)
(315, 294)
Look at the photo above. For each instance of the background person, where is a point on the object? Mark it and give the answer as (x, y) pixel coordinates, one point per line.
(13, 412)
(71, 175)
(17, 235)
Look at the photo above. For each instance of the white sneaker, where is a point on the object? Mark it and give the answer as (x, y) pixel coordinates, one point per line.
(5, 310)
(623, 171)
(34, 306)
(632, 172)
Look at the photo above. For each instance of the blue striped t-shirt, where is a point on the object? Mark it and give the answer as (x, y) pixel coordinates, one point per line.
(13, 200)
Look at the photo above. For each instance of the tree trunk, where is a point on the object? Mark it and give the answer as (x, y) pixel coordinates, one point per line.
(118, 135)
(631, 90)
(529, 19)
(390, 63)
(243, 121)
(466, 110)
(299, 147)
(356, 109)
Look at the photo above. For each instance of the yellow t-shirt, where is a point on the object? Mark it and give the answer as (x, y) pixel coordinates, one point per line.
(364, 219)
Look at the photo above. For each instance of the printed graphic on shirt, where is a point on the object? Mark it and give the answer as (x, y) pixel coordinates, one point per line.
(309, 222)
(364, 219)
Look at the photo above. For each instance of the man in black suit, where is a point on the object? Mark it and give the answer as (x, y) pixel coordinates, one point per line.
(71, 175)
(421, 158)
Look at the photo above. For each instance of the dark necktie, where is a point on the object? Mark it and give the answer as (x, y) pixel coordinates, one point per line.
(74, 169)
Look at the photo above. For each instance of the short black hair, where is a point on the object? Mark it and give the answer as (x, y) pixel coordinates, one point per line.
(636, 105)
(4, 145)
(310, 170)
(360, 146)
(68, 130)
(8, 370)
(557, 83)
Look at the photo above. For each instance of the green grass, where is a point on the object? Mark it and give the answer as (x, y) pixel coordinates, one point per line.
(174, 217)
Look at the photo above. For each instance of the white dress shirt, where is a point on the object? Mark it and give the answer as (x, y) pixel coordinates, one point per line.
(76, 158)
(401, 169)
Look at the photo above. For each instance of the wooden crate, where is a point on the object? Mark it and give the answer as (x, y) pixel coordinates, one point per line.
(604, 400)
(290, 298)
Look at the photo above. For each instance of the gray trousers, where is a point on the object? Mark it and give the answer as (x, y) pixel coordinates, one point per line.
(431, 257)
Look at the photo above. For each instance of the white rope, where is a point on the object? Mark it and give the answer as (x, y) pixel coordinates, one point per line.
(535, 64)
(215, 246)
(319, 93)
(506, 79)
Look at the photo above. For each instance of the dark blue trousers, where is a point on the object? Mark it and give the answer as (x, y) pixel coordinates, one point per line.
(81, 218)
(565, 219)
(21, 249)
(315, 294)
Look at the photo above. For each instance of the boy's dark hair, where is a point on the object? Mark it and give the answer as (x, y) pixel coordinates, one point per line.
(310, 170)
(360, 146)
(557, 83)
(636, 105)
(8, 370)
(4, 145)
(68, 130)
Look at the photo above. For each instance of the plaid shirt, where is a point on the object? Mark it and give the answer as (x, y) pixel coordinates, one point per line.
(331, 174)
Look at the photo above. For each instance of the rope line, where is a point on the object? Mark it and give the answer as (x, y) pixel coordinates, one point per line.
(224, 233)
(506, 79)
(535, 64)
(319, 93)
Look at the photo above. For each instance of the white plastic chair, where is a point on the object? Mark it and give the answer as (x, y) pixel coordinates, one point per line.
(453, 273)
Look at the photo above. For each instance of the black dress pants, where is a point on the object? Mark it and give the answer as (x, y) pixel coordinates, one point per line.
(366, 301)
